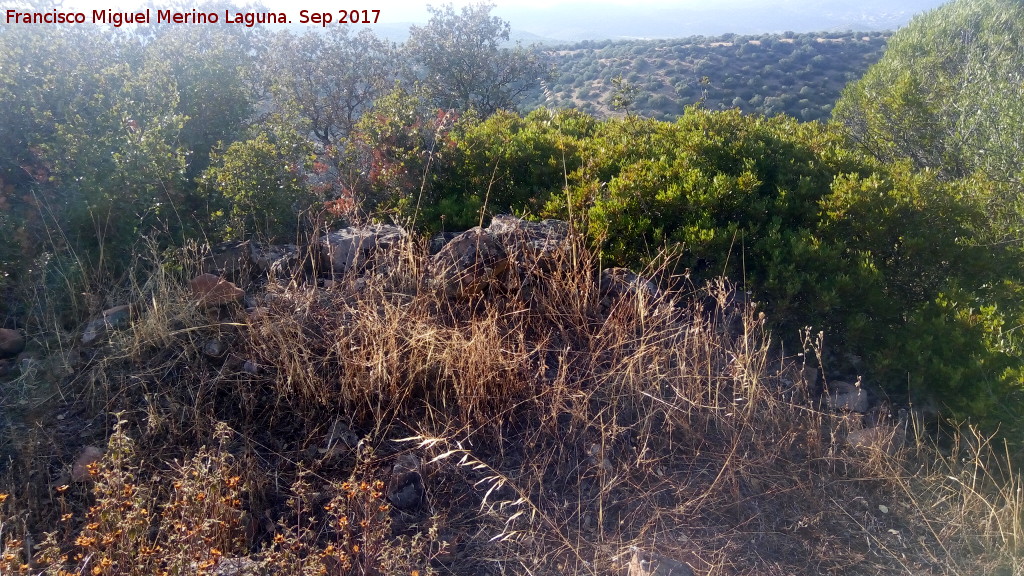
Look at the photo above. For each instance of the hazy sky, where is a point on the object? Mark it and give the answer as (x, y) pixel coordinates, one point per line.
(394, 11)
(568, 20)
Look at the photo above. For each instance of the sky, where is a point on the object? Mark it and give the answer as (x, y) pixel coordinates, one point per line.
(392, 11)
(577, 19)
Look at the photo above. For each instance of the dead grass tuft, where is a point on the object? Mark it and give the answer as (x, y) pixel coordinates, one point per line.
(556, 431)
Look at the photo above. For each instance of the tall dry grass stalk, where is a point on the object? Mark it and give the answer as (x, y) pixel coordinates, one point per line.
(559, 431)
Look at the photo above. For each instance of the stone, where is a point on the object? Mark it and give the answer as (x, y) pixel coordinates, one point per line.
(277, 260)
(213, 290)
(884, 438)
(111, 319)
(881, 432)
(405, 489)
(231, 259)
(240, 566)
(215, 348)
(543, 241)
(469, 263)
(650, 564)
(617, 283)
(80, 469)
(11, 343)
(339, 437)
(844, 396)
(439, 241)
(360, 247)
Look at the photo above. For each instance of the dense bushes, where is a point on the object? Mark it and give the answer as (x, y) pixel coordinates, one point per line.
(885, 260)
(899, 265)
(260, 186)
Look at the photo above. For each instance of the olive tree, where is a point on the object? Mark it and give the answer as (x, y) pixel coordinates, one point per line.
(462, 62)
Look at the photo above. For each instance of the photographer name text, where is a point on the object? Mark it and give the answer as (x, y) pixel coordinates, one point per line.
(151, 16)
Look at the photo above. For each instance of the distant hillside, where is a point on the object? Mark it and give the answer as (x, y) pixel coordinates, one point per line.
(595, 20)
(800, 75)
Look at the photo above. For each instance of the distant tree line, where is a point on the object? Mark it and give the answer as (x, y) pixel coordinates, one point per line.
(800, 75)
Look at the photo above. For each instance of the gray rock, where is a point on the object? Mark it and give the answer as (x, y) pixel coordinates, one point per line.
(360, 247)
(885, 438)
(231, 259)
(11, 343)
(215, 348)
(405, 489)
(229, 567)
(544, 240)
(80, 469)
(111, 319)
(845, 396)
(213, 291)
(617, 283)
(468, 263)
(439, 241)
(650, 564)
(277, 260)
(881, 432)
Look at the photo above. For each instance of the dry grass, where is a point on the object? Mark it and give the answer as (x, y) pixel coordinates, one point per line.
(559, 433)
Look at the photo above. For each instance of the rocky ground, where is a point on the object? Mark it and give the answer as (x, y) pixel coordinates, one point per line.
(491, 402)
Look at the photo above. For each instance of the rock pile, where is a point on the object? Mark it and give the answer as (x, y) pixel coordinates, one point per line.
(11, 343)
(506, 254)
(213, 291)
(360, 248)
(111, 319)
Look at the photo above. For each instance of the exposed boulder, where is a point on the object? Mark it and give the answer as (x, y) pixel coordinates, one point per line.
(240, 566)
(239, 260)
(229, 259)
(468, 263)
(405, 489)
(846, 396)
(617, 283)
(881, 432)
(542, 241)
(650, 564)
(213, 290)
(277, 260)
(11, 343)
(439, 240)
(360, 247)
(506, 253)
(111, 319)
(87, 457)
(883, 438)
(215, 348)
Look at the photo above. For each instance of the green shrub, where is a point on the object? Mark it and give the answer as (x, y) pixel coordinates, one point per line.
(260, 185)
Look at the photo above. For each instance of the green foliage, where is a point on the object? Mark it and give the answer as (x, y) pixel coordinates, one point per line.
(949, 96)
(105, 130)
(823, 236)
(506, 163)
(802, 79)
(402, 139)
(329, 79)
(462, 64)
(214, 69)
(260, 182)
